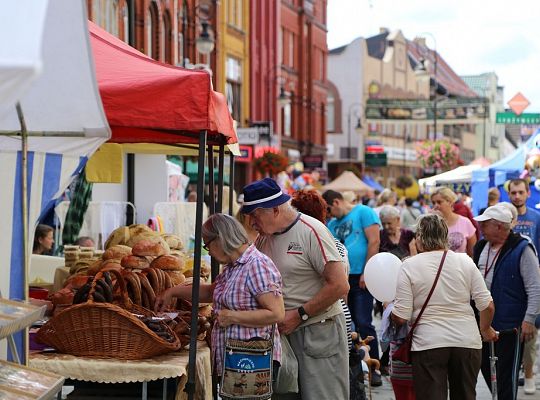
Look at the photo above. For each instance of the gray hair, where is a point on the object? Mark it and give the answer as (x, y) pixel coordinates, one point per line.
(230, 233)
(432, 232)
(388, 212)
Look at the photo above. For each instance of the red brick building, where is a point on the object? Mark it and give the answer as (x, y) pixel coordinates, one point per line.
(289, 53)
(166, 30)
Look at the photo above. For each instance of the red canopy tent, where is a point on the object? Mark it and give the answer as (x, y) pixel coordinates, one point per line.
(148, 101)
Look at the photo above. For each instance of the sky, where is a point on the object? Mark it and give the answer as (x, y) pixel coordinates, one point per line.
(473, 36)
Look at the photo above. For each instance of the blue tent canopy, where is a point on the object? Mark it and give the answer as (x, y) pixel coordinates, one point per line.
(496, 174)
(372, 183)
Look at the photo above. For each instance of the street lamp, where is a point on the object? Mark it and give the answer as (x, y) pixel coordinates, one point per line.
(422, 73)
(205, 42)
(357, 128)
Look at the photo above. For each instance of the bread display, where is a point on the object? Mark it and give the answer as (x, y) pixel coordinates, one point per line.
(176, 277)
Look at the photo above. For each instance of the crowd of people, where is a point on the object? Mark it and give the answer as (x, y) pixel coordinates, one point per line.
(293, 272)
(465, 282)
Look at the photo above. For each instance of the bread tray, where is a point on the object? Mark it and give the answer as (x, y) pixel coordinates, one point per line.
(17, 315)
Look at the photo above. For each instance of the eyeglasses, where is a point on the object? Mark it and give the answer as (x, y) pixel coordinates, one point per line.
(205, 246)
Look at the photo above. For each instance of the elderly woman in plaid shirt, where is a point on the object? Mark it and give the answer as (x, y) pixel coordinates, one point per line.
(246, 296)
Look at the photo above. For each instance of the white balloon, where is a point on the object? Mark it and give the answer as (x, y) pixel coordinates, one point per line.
(381, 275)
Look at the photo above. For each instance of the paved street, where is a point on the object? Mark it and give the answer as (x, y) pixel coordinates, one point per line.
(385, 392)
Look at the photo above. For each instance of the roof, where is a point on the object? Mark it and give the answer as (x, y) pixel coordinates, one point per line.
(479, 83)
(446, 77)
(376, 45)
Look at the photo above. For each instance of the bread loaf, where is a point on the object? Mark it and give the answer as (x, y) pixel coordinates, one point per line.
(148, 248)
(176, 277)
(114, 264)
(138, 229)
(134, 262)
(167, 262)
(174, 241)
(116, 252)
(119, 236)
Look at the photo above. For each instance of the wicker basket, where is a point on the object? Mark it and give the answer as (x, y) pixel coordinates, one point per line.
(105, 330)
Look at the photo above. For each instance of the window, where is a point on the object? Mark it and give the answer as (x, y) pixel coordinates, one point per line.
(233, 87)
(125, 21)
(152, 32)
(105, 13)
(290, 60)
(167, 38)
(330, 113)
(234, 14)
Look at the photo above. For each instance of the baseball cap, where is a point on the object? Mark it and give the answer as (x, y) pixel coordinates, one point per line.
(497, 212)
(265, 193)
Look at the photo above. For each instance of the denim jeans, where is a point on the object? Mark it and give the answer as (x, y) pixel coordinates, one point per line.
(360, 302)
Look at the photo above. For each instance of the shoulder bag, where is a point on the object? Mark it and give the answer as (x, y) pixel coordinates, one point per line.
(403, 353)
(247, 368)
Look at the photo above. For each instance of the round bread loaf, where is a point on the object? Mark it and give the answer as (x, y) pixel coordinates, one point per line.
(134, 262)
(119, 236)
(148, 248)
(137, 229)
(174, 241)
(177, 277)
(114, 263)
(81, 266)
(167, 262)
(116, 252)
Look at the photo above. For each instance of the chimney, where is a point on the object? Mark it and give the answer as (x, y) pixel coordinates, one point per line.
(382, 29)
(421, 41)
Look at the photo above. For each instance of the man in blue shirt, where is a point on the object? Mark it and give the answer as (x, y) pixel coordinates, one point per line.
(528, 225)
(357, 227)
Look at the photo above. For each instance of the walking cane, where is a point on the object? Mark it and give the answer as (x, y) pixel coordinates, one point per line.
(493, 368)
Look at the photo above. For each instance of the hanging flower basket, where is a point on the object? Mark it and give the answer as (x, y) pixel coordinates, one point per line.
(271, 164)
(438, 154)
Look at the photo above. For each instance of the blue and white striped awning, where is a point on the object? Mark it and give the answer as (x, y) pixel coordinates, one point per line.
(46, 66)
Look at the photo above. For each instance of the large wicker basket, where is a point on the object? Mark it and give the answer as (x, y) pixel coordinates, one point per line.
(105, 330)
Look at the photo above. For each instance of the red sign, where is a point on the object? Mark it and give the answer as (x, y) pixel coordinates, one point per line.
(518, 103)
(246, 154)
(374, 149)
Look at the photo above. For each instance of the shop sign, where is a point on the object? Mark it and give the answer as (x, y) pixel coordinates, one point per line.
(246, 154)
(457, 187)
(248, 135)
(511, 118)
(399, 153)
(313, 161)
(423, 110)
(375, 159)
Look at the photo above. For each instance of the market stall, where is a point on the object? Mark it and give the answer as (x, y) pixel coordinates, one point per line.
(349, 181)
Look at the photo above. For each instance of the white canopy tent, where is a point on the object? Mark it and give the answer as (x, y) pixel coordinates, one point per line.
(46, 66)
(348, 181)
(458, 175)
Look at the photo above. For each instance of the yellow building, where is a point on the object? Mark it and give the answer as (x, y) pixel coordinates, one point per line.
(232, 71)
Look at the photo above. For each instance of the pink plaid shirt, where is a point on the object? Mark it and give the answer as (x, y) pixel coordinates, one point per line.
(237, 288)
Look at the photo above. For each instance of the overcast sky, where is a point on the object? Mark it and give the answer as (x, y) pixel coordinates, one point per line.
(473, 36)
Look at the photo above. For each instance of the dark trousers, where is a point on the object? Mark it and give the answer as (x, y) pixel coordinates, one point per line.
(509, 351)
(360, 303)
(437, 370)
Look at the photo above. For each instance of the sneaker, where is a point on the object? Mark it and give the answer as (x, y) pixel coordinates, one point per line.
(529, 387)
(376, 378)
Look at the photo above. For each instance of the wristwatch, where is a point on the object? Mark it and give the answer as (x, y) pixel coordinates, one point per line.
(303, 314)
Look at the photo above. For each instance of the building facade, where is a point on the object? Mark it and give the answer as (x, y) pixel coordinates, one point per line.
(380, 109)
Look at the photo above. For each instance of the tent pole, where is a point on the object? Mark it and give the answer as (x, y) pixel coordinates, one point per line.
(211, 187)
(221, 169)
(190, 384)
(214, 265)
(24, 206)
(231, 183)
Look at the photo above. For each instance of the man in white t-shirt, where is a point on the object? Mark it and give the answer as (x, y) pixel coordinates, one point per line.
(314, 279)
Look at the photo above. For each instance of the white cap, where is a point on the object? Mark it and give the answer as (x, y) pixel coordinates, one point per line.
(497, 212)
